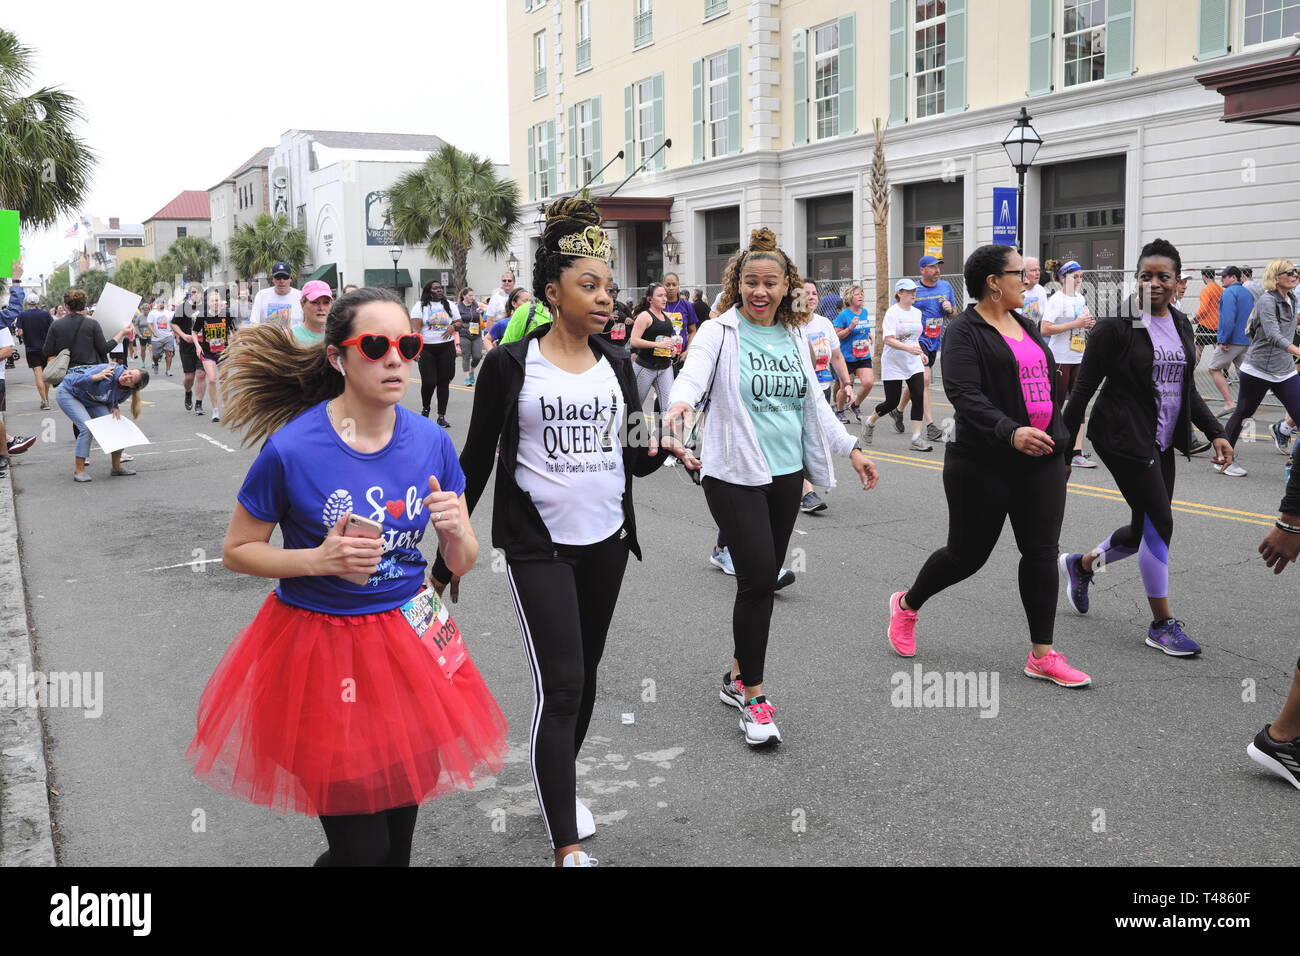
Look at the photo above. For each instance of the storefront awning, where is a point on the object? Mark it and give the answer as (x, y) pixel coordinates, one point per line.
(329, 274)
(635, 208)
(1266, 92)
(383, 278)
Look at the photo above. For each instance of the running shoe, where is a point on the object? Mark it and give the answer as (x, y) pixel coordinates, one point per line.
(812, 504)
(189, 402)
(843, 416)
(1076, 581)
(1282, 757)
(126, 458)
(733, 691)
(1282, 441)
(756, 720)
(1169, 637)
(586, 822)
(443, 422)
(784, 578)
(424, 412)
(216, 415)
(722, 559)
(578, 858)
(856, 409)
(920, 444)
(1199, 447)
(1232, 471)
(122, 472)
(81, 476)
(897, 416)
(868, 432)
(1081, 460)
(45, 406)
(18, 444)
(902, 626)
(469, 380)
(933, 432)
(198, 407)
(1051, 666)
(155, 368)
(169, 373)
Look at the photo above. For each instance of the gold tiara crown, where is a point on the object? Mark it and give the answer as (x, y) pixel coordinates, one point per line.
(590, 243)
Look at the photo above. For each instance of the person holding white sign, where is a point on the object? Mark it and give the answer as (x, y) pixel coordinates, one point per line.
(91, 391)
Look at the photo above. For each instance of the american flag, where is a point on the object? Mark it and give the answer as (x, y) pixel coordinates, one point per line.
(72, 233)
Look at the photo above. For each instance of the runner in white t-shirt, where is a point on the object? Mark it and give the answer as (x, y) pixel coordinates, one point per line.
(279, 305)
(1065, 321)
(162, 341)
(902, 361)
(498, 304)
(828, 363)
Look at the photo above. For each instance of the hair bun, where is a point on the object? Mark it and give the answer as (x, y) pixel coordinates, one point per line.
(762, 240)
(573, 209)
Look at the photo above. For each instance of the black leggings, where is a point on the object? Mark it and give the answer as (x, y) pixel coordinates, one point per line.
(757, 521)
(982, 493)
(437, 366)
(565, 607)
(1148, 491)
(894, 394)
(1251, 391)
(369, 839)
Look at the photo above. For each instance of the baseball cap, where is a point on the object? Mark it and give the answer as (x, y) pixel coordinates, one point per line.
(905, 285)
(929, 261)
(281, 269)
(1067, 268)
(315, 289)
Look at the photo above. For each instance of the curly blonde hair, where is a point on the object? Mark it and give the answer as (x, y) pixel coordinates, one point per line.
(762, 245)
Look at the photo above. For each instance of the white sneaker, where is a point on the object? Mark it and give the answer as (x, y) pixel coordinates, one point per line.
(1232, 471)
(1080, 460)
(578, 858)
(757, 723)
(586, 822)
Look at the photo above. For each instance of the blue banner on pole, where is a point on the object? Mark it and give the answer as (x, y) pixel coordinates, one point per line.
(1004, 215)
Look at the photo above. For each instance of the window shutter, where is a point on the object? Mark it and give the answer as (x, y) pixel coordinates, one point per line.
(572, 148)
(848, 75)
(697, 111)
(1119, 39)
(800, 57)
(954, 72)
(532, 164)
(629, 130)
(597, 132)
(657, 112)
(1040, 47)
(898, 62)
(733, 100)
(550, 157)
(1212, 41)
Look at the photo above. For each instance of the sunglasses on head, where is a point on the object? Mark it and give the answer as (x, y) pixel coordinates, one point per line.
(375, 347)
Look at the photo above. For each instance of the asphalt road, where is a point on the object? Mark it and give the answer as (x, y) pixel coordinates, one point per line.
(1145, 767)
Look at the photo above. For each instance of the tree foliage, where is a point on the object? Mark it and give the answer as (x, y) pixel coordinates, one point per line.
(257, 247)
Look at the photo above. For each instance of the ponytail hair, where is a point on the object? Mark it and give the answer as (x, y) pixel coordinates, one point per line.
(136, 401)
(269, 378)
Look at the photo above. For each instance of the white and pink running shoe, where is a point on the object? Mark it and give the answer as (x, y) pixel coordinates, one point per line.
(1051, 666)
(756, 720)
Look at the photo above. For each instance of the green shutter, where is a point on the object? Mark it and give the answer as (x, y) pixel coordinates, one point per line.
(800, 56)
(657, 112)
(629, 130)
(573, 149)
(848, 75)
(597, 132)
(550, 157)
(954, 71)
(1119, 39)
(733, 100)
(1212, 41)
(697, 111)
(1040, 47)
(532, 164)
(898, 62)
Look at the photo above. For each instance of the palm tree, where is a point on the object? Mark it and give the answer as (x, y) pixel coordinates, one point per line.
(191, 257)
(141, 276)
(44, 168)
(451, 202)
(879, 190)
(255, 249)
(92, 283)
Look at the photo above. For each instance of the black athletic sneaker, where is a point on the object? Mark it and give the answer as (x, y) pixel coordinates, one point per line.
(784, 578)
(897, 416)
(189, 401)
(1282, 758)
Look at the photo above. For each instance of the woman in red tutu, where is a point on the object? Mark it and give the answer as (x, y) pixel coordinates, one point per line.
(350, 696)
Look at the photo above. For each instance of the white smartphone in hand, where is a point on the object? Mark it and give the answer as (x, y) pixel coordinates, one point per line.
(359, 527)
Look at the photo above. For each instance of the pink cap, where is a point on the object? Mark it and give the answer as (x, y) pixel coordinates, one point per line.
(315, 289)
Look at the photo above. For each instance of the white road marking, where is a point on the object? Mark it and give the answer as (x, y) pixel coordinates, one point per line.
(215, 442)
(184, 564)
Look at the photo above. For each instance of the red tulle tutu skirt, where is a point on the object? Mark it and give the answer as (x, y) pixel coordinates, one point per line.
(328, 714)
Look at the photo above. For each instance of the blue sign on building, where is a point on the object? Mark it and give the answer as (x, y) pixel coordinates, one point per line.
(1004, 215)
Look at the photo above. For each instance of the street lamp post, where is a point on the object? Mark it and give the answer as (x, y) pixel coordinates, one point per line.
(512, 265)
(672, 248)
(396, 253)
(1022, 145)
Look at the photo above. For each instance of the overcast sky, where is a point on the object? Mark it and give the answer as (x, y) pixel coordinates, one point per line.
(176, 98)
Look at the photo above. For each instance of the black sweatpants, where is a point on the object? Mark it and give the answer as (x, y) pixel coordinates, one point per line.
(369, 839)
(564, 607)
(982, 492)
(894, 394)
(757, 521)
(437, 366)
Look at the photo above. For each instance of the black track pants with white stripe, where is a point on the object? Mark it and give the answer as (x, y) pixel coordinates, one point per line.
(564, 606)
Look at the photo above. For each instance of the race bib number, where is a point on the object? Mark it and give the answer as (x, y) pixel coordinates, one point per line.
(663, 351)
(861, 349)
(433, 625)
(932, 331)
(618, 332)
(473, 328)
(1077, 343)
(215, 336)
(677, 324)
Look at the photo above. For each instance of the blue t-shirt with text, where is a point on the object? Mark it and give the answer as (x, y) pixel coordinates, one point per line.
(856, 346)
(929, 300)
(306, 477)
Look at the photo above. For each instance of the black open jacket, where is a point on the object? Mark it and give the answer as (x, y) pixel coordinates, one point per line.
(981, 378)
(1123, 420)
(517, 526)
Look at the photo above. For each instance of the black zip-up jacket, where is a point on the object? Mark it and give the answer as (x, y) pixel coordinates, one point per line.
(517, 525)
(981, 378)
(1123, 421)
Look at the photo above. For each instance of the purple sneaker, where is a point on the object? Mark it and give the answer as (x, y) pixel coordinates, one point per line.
(1168, 636)
(1076, 581)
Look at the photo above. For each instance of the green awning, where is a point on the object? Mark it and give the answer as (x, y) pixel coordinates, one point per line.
(437, 274)
(329, 274)
(383, 278)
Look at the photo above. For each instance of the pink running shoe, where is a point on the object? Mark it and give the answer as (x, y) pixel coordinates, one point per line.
(1051, 666)
(902, 626)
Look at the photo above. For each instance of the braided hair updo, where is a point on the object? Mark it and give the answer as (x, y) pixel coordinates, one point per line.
(762, 245)
(564, 217)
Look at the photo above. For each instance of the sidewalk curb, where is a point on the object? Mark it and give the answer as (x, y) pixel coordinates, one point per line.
(26, 838)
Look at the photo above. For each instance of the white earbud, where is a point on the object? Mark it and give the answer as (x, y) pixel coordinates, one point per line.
(340, 368)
